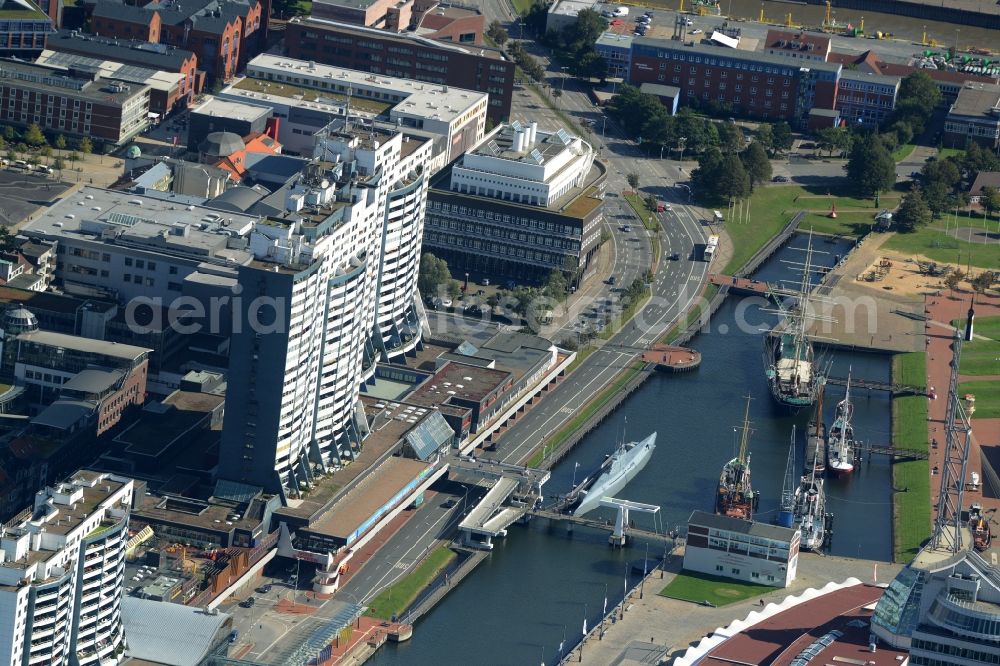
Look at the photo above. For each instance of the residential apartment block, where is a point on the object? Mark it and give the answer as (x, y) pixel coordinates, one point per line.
(760, 85)
(224, 35)
(406, 55)
(974, 116)
(522, 203)
(306, 96)
(62, 570)
(71, 102)
(340, 268)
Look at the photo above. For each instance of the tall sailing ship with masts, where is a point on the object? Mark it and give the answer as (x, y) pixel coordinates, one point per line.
(841, 449)
(791, 366)
(735, 496)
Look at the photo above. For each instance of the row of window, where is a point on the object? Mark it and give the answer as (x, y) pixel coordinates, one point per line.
(736, 572)
(721, 62)
(516, 220)
(488, 231)
(477, 246)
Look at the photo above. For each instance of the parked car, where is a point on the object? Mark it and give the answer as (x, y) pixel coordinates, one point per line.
(248, 602)
(697, 31)
(20, 164)
(780, 179)
(233, 635)
(450, 503)
(446, 302)
(264, 589)
(44, 168)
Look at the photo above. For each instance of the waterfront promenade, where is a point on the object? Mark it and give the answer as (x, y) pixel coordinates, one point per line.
(658, 625)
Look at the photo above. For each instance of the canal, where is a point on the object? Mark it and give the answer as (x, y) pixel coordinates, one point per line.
(540, 582)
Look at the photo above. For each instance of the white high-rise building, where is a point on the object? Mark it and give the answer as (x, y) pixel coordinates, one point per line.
(340, 268)
(62, 569)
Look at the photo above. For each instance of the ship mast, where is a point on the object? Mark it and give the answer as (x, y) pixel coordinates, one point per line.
(744, 456)
(788, 486)
(803, 304)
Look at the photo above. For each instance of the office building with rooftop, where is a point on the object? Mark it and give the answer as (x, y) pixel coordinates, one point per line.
(306, 96)
(118, 245)
(72, 101)
(419, 55)
(62, 568)
(522, 203)
(340, 266)
(144, 55)
(974, 116)
(24, 27)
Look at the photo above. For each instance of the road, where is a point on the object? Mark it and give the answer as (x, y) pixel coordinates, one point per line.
(675, 287)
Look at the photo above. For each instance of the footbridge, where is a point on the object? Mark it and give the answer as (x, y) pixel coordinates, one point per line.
(514, 490)
(621, 529)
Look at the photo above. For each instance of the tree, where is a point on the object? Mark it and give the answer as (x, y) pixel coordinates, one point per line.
(59, 164)
(952, 280)
(633, 180)
(61, 142)
(287, 8)
(989, 199)
(765, 136)
(833, 138)
(583, 33)
(731, 138)
(9, 133)
(871, 168)
(497, 33)
(555, 285)
(983, 281)
(7, 241)
(733, 180)
(434, 274)
(913, 211)
(74, 157)
(916, 100)
(86, 147)
(33, 136)
(783, 138)
(942, 171)
(757, 166)
(590, 65)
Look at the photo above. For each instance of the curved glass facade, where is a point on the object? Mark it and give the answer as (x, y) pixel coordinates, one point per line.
(898, 611)
(961, 617)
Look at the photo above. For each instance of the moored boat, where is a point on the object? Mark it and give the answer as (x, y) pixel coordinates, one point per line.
(735, 497)
(841, 449)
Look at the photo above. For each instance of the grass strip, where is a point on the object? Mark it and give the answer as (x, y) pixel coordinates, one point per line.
(396, 598)
(698, 588)
(902, 152)
(987, 397)
(647, 216)
(936, 245)
(911, 499)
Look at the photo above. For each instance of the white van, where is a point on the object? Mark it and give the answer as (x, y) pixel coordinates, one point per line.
(619, 12)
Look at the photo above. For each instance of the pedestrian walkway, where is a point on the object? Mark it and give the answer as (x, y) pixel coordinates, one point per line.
(985, 432)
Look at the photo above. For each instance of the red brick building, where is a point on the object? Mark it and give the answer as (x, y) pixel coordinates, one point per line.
(481, 68)
(747, 83)
(797, 45)
(223, 35)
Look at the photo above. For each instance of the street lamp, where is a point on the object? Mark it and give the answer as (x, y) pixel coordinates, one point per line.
(683, 143)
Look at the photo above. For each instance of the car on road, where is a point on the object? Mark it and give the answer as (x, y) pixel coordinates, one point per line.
(780, 179)
(675, 256)
(233, 635)
(248, 602)
(450, 503)
(611, 280)
(264, 589)
(662, 207)
(626, 228)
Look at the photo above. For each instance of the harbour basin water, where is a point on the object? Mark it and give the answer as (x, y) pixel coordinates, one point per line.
(539, 584)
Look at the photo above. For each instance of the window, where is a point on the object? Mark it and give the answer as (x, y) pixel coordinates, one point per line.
(128, 262)
(754, 574)
(719, 567)
(735, 571)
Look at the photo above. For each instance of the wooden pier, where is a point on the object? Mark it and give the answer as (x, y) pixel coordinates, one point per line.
(672, 359)
(740, 285)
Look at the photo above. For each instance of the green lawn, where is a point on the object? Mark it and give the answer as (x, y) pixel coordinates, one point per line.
(698, 587)
(647, 216)
(911, 509)
(902, 152)
(988, 327)
(397, 597)
(938, 246)
(910, 369)
(980, 357)
(987, 398)
(522, 6)
(950, 152)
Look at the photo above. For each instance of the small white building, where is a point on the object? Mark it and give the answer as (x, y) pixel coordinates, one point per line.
(563, 12)
(733, 548)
